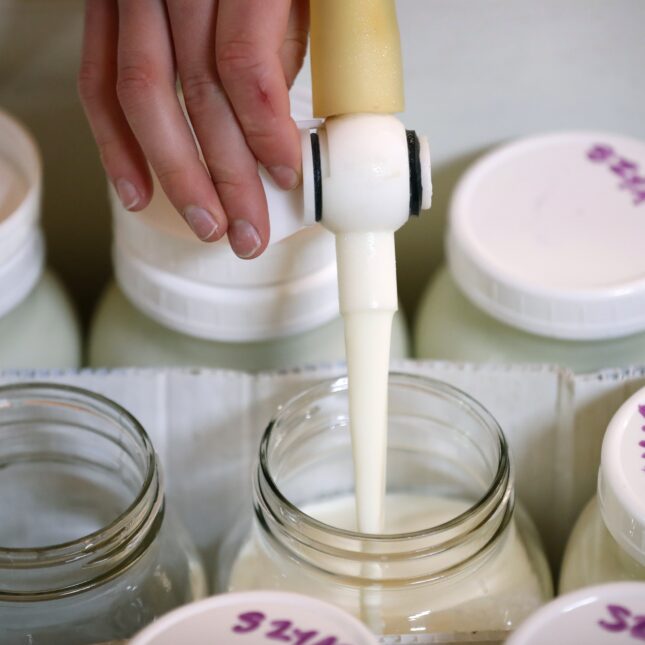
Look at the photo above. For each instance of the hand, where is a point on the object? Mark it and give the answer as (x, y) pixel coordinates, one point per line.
(235, 60)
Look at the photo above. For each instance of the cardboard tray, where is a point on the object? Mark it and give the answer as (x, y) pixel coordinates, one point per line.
(206, 426)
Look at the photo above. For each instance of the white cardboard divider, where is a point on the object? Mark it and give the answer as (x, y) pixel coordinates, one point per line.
(206, 426)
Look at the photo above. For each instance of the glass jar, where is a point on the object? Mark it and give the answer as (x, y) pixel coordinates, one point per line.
(544, 257)
(89, 552)
(607, 543)
(34, 308)
(457, 554)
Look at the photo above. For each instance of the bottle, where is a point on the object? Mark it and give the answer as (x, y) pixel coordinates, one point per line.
(457, 553)
(608, 541)
(545, 263)
(94, 553)
(38, 326)
(180, 302)
(256, 618)
(613, 613)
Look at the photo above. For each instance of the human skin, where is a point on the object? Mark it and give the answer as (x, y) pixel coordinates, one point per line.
(235, 61)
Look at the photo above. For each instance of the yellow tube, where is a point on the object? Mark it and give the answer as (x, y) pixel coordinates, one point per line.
(355, 57)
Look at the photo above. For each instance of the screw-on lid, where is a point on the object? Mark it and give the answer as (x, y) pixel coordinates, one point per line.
(229, 313)
(21, 245)
(205, 290)
(546, 235)
(612, 613)
(257, 618)
(621, 480)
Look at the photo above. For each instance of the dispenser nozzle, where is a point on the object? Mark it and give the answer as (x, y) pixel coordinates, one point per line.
(364, 172)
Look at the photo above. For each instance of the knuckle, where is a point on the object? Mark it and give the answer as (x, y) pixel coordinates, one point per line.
(135, 78)
(237, 56)
(88, 80)
(296, 48)
(199, 89)
(170, 177)
(229, 179)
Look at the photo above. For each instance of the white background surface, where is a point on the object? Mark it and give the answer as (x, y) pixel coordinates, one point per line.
(477, 72)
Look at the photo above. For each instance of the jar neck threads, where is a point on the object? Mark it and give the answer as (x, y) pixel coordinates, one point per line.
(83, 475)
(441, 443)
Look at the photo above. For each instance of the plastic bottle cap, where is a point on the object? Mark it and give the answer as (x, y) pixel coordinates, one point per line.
(607, 614)
(22, 251)
(621, 480)
(257, 618)
(546, 234)
(205, 290)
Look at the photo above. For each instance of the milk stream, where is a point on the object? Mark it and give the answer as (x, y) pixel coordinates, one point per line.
(367, 341)
(367, 286)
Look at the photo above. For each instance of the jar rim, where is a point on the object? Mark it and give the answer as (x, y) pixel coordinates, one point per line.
(500, 482)
(119, 527)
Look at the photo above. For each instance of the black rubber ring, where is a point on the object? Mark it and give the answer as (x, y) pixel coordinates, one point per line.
(414, 160)
(318, 196)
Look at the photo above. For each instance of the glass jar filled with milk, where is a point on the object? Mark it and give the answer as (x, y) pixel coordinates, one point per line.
(180, 302)
(545, 258)
(89, 552)
(608, 541)
(38, 326)
(456, 553)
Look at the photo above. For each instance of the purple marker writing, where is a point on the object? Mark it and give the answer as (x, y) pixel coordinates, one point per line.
(629, 171)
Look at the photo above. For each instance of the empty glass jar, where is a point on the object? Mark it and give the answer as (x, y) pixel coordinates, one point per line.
(88, 550)
(456, 554)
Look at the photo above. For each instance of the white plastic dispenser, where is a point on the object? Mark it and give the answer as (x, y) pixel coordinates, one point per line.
(180, 301)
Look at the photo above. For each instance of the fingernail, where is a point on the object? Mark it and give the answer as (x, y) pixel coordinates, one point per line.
(202, 223)
(244, 238)
(285, 177)
(127, 193)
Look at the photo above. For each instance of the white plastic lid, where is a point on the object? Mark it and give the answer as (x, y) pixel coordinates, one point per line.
(607, 614)
(229, 313)
(546, 235)
(205, 290)
(621, 479)
(22, 249)
(257, 618)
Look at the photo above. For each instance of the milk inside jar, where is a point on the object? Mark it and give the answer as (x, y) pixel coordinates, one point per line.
(455, 554)
(180, 302)
(545, 261)
(608, 541)
(38, 327)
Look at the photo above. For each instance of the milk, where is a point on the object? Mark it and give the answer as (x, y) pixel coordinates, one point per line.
(368, 300)
(367, 341)
(491, 593)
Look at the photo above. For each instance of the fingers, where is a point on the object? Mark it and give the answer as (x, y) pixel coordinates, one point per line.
(121, 155)
(146, 92)
(294, 48)
(231, 163)
(250, 34)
